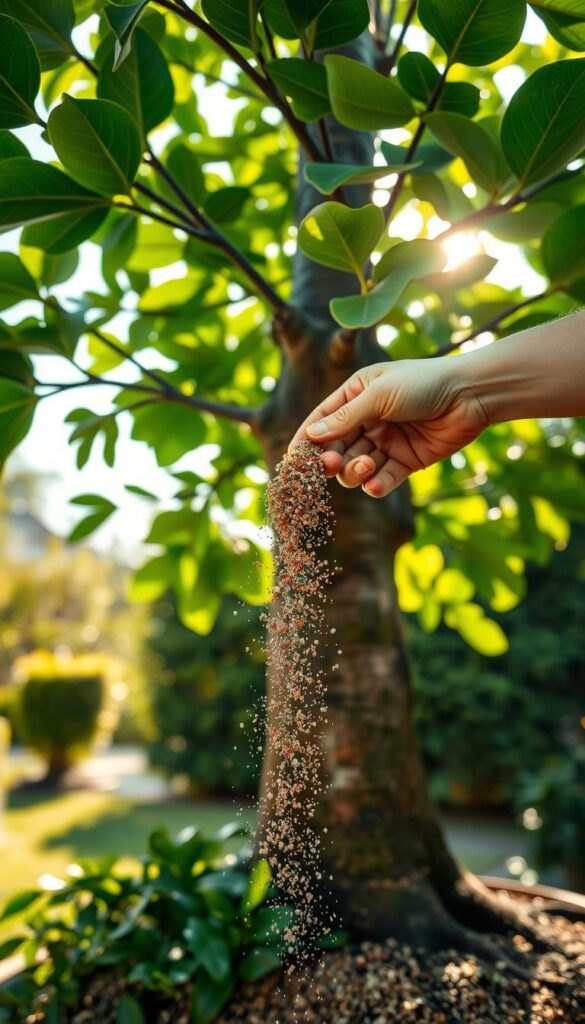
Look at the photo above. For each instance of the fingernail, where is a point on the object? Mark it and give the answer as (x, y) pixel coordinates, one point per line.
(318, 429)
(361, 468)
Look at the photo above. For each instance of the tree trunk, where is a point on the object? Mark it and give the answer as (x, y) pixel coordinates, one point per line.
(392, 872)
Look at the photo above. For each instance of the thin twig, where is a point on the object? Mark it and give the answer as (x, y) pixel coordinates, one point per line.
(400, 40)
(414, 144)
(225, 410)
(136, 209)
(161, 201)
(218, 79)
(265, 85)
(490, 324)
(121, 351)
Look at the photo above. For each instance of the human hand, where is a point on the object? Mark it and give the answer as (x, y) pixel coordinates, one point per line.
(391, 419)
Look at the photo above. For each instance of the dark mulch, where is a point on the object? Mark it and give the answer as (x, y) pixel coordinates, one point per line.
(384, 983)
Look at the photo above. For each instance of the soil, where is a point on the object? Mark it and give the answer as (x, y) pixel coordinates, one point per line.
(385, 983)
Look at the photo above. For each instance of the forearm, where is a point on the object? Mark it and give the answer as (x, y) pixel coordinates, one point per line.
(537, 373)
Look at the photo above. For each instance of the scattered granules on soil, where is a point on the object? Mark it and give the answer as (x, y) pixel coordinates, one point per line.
(385, 983)
(388, 983)
(300, 515)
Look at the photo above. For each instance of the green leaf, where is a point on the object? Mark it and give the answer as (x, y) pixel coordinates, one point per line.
(16, 283)
(209, 997)
(429, 157)
(258, 885)
(339, 237)
(11, 146)
(258, 962)
(62, 234)
(234, 20)
(142, 85)
(210, 948)
(34, 192)
(468, 140)
(303, 12)
(9, 946)
(476, 268)
(31, 336)
(474, 32)
(402, 263)
(543, 127)
(22, 900)
(339, 22)
(17, 405)
(92, 522)
(170, 429)
(156, 246)
(183, 163)
(326, 178)
(123, 19)
(98, 143)
(564, 19)
(563, 247)
(129, 1011)
(419, 77)
(481, 633)
(20, 75)
(226, 204)
(18, 367)
(305, 83)
(49, 24)
(269, 923)
(364, 99)
(89, 427)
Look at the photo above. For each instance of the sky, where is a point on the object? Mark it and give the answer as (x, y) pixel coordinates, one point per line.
(45, 450)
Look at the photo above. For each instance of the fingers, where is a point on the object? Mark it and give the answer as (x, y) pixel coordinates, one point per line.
(387, 479)
(360, 462)
(329, 405)
(346, 419)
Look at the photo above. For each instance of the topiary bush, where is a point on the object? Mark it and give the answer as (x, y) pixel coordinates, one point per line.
(189, 917)
(59, 704)
(208, 686)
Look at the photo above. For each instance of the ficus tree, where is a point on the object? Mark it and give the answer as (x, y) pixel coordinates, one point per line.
(283, 273)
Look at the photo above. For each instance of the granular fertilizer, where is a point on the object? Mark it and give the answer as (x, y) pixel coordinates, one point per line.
(301, 517)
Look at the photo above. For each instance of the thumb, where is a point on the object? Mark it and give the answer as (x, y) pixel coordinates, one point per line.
(347, 418)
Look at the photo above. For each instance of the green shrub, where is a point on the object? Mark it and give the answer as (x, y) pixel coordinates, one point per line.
(59, 705)
(8, 702)
(552, 803)
(186, 918)
(487, 725)
(209, 685)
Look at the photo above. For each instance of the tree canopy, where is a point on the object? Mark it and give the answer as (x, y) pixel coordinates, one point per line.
(191, 204)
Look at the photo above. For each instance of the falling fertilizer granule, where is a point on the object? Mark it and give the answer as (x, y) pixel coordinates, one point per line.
(300, 514)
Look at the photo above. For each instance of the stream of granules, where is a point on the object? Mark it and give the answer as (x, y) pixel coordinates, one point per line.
(301, 518)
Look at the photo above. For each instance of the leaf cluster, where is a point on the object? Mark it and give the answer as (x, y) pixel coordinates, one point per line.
(185, 918)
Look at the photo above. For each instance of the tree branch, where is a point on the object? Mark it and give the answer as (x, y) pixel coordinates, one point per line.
(113, 345)
(225, 410)
(217, 78)
(414, 144)
(211, 236)
(494, 209)
(490, 324)
(265, 85)
(400, 40)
